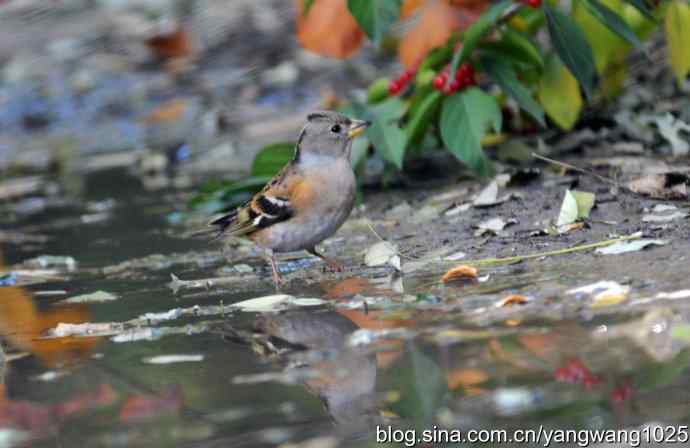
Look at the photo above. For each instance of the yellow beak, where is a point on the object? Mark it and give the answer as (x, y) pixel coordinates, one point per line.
(357, 128)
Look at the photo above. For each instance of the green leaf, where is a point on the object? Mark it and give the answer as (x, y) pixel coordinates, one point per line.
(643, 8)
(522, 47)
(375, 16)
(608, 47)
(613, 22)
(571, 46)
(678, 36)
(475, 32)
(271, 158)
(504, 75)
(465, 118)
(307, 6)
(422, 116)
(385, 133)
(559, 94)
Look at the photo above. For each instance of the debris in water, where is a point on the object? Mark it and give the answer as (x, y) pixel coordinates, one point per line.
(173, 359)
(94, 297)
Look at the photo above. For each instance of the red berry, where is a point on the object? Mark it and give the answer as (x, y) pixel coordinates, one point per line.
(438, 82)
(394, 87)
(447, 90)
(455, 85)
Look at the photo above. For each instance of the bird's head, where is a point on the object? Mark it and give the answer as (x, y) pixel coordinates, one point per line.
(328, 135)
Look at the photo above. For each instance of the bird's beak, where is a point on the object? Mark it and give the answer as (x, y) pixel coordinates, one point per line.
(357, 128)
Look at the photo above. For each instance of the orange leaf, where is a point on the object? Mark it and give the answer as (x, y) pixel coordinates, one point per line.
(437, 22)
(328, 29)
(171, 45)
(513, 299)
(460, 272)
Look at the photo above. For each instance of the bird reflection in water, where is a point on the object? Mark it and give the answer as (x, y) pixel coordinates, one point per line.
(344, 378)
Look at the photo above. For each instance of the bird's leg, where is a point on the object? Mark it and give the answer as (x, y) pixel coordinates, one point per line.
(277, 278)
(332, 264)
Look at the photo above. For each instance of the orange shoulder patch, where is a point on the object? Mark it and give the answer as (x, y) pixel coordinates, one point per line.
(301, 194)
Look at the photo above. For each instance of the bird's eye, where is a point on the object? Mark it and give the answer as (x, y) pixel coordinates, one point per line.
(335, 128)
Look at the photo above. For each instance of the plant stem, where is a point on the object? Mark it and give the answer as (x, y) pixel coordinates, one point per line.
(569, 250)
(575, 168)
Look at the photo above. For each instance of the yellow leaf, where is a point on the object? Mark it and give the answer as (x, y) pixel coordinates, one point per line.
(678, 36)
(606, 45)
(559, 94)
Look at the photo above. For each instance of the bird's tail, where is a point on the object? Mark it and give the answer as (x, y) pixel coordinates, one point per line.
(215, 228)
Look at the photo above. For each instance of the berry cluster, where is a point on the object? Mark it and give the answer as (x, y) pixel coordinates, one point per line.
(575, 372)
(531, 3)
(464, 77)
(402, 81)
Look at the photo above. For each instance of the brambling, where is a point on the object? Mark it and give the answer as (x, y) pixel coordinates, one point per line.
(309, 199)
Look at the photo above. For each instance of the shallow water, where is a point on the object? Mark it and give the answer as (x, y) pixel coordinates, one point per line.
(376, 352)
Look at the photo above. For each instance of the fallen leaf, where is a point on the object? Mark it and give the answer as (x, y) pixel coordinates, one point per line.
(274, 303)
(611, 296)
(328, 29)
(576, 205)
(603, 293)
(664, 218)
(488, 196)
(622, 247)
(670, 128)
(460, 272)
(94, 297)
(663, 186)
(173, 359)
(382, 253)
(175, 44)
(513, 299)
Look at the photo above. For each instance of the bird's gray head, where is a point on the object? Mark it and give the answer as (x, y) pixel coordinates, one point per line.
(327, 135)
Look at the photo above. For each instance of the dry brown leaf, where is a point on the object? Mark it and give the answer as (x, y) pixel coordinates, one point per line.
(663, 186)
(166, 112)
(460, 272)
(513, 299)
(176, 44)
(328, 29)
(437, 22)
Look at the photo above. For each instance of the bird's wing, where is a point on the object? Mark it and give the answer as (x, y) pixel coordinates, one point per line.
(277, 201)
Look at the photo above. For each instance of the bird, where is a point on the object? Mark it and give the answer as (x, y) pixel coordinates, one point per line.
(308, 200)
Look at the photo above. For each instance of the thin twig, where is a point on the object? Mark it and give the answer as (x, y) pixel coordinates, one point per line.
(569, 250)
(576, 168)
